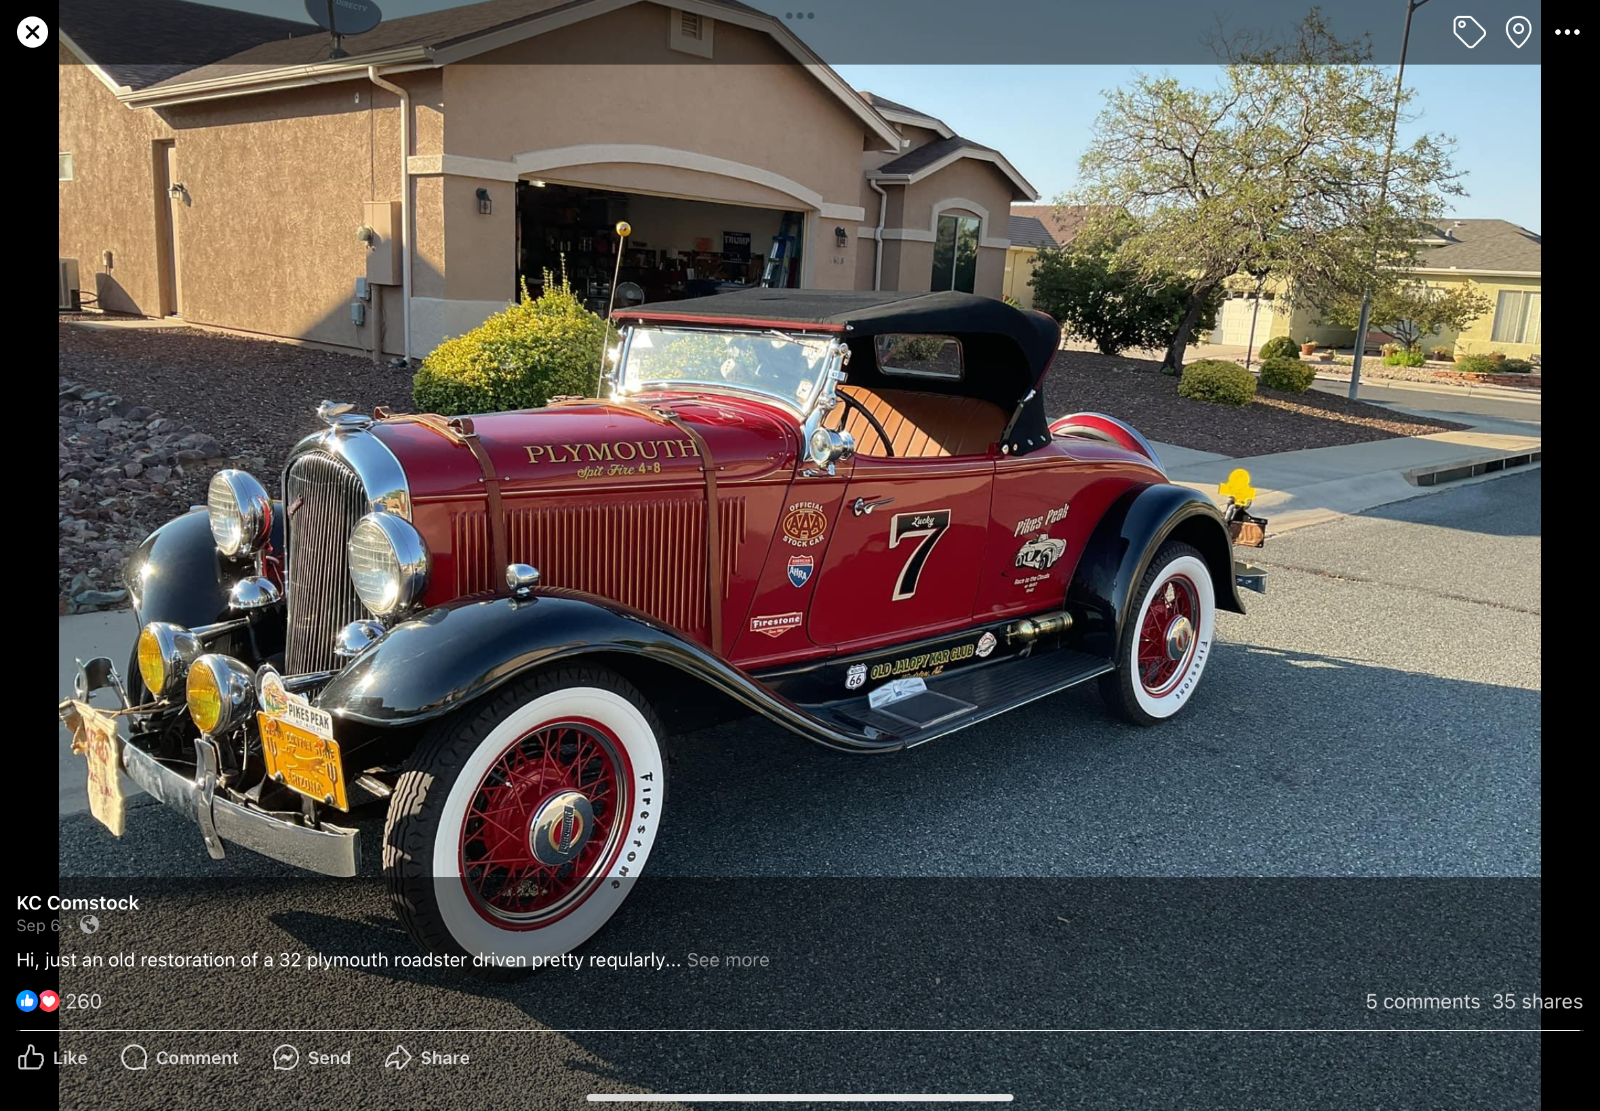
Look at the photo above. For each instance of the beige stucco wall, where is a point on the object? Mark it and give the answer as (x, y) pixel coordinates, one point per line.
(274, 185)
(966, 187)
(1018, 273)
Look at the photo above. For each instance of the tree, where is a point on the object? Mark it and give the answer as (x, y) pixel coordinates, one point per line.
(1409, 309)
(1112, 306)
(1276, 170)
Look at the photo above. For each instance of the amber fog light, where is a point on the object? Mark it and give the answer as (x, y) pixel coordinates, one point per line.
(165, 652)
(220, 691)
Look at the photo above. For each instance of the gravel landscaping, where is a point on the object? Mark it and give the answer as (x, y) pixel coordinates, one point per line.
(1135, 391)
(146, 416)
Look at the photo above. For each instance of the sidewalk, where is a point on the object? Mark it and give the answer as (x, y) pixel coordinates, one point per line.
(1299, 488)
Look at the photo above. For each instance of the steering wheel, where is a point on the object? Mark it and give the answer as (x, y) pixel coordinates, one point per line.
(852, 403)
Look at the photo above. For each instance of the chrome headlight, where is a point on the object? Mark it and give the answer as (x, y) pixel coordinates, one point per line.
(388, 563)
(165, 652)
(240, 511)
(220, 692)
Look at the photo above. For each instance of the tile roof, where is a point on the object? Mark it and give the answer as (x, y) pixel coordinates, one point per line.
(1484, 245)
(1062, 222)
(1028, 231)
(168, 37)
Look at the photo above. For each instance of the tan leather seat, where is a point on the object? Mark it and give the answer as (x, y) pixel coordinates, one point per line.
(921, 424)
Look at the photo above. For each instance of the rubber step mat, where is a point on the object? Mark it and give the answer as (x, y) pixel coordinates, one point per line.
(985, 691)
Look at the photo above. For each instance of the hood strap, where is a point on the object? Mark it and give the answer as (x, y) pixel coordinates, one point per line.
(459, 430)
(708, 466)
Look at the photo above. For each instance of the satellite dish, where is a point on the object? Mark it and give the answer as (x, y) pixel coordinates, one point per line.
(344, 17)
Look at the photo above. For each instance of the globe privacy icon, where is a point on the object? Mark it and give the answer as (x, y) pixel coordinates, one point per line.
(1518, 28)
(1468, 30)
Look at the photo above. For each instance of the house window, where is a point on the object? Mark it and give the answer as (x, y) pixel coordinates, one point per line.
(690, 32)
(1516, 317)
(955, 254)
(64, 165)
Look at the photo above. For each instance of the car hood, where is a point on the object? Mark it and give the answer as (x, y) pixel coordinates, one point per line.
(595, 444)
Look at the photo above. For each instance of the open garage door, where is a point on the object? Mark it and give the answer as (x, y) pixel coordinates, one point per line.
(679, 248)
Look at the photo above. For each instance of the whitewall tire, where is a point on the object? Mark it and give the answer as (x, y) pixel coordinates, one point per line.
(521, 823)
(1166, 640)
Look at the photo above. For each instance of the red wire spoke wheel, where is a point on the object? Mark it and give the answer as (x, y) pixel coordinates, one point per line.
(521, 822)
(1166, 638)
(543, 825)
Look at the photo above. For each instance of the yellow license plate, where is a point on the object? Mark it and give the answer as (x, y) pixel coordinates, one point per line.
(301, 760)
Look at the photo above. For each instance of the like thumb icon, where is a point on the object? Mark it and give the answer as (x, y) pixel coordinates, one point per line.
(30, 1058)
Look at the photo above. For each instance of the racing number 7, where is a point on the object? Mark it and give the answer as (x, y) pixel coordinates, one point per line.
(925, 528)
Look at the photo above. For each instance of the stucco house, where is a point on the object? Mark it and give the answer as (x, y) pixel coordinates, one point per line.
(1496, 258)
(398, 190)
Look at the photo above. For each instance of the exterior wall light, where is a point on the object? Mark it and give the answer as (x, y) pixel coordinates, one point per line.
(839, 238)
(485, 205)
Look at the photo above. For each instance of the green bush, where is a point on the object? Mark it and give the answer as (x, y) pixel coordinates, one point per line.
(1279, 347)
(1287, 375)
(517, 359)
(1477, 364)
(1217, 380)
(1404, 356)
(1516, 366)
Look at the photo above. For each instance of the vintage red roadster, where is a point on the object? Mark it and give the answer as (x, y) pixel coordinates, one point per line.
(845, 512)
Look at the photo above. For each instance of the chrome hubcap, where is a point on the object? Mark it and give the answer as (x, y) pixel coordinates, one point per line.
(1180, 635)
(560, 828)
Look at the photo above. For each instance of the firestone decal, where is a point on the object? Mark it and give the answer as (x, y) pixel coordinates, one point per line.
(800, 568)
(856, 677)
(776, 624)
(1041, 552)
(986, 645)
(805, 524)
(1044, 521)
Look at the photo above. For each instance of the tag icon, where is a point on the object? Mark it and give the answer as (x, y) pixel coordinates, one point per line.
(1518, 28)
(1468, 30)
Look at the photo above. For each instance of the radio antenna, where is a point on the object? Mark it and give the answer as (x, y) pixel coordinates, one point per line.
(624, 229)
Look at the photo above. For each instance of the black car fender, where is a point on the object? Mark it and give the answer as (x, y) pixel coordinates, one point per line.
(177, 575)
(449, 656)
(1121, 547)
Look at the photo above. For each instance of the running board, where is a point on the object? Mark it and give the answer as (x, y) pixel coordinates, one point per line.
(963, 698)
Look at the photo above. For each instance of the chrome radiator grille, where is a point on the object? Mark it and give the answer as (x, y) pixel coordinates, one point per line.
(325, 499)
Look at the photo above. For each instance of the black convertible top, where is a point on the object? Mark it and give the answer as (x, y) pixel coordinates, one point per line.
(1005, 350)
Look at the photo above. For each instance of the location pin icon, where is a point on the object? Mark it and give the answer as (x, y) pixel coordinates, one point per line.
(1518, 28)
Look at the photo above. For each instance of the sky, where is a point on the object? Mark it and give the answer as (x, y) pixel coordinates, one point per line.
(1040, 116)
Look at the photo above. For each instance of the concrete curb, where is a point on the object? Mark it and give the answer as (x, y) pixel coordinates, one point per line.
(1486, 464)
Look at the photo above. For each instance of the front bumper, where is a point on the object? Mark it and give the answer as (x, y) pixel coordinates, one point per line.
(330, 850)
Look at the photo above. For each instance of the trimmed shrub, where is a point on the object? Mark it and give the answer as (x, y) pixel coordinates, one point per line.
(1516, 366)
(517, 359)
(1279, 347)
(1404, 356)
(1288, 375)
(1477, 364)
(1218, 381)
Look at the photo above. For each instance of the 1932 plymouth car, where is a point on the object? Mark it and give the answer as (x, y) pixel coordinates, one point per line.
(845, 512)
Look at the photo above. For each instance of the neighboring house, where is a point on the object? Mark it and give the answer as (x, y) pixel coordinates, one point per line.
(1502, 261)
(1494, 257)
(228, 169)
(1035, 227)
(936, 209)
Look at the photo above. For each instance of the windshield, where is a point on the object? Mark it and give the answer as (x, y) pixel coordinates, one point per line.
(781, 365)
